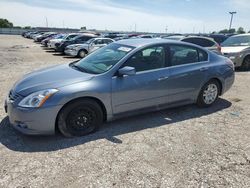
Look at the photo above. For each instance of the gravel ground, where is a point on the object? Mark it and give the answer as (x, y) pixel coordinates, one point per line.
(180, 147)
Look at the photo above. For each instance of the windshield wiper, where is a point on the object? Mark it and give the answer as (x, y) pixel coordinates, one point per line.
(73, 65)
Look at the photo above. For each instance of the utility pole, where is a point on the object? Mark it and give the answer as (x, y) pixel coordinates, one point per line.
(231, 20)
(46, 19)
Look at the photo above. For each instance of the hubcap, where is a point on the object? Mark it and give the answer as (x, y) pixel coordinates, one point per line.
(210, 94)
(82, 54)
(81, 120)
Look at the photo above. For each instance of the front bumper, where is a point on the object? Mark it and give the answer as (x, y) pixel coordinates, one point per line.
(236, 59)
(71, 52)
(59, 49)
(35, 121)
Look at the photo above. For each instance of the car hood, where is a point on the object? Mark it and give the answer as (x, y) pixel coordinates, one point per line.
(50, 78)
(233, 49)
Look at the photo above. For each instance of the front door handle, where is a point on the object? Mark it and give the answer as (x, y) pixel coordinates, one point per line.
(162, 78)
(203, 69)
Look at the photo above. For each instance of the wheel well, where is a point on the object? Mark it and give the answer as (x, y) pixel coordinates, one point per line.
(220, 84)
(83, 50)
(83, 98)
(247, 56)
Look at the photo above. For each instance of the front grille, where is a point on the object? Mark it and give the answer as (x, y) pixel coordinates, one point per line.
(13, 96)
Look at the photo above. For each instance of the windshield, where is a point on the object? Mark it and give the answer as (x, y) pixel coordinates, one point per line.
(103, 59)
(237, 41)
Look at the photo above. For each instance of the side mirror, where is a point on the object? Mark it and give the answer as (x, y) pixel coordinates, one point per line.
(129, 71)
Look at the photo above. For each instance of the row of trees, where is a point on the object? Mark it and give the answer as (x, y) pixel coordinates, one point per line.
(4, 23)
(240, 30)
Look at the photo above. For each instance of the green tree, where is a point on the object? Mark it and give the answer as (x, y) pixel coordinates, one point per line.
(4, 23)
(84, 28)
(241, 30)
(231, 31)
(27, 27)
(224, 31)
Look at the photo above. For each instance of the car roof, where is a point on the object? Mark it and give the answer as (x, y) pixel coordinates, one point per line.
(246, 34)
(139, 42)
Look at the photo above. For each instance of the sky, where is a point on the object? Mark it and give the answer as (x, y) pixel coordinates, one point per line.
(178, 16)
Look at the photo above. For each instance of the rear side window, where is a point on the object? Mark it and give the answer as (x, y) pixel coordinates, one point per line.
(181, 55)
(200, 41)
(203, 56)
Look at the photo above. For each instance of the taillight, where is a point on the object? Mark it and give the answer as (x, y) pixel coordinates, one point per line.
(219, 48)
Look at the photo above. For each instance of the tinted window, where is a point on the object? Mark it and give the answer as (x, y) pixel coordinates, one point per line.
(107, 41)
(180, 55)
(203, 56)
(98, 41)
(84, 38)
(200, 41)
(148, 59)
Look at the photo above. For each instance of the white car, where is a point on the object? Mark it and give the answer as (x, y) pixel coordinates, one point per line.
(81, 50)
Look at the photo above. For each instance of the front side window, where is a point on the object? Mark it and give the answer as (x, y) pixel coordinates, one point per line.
(147, 59)
(98, 41)
(103, 59)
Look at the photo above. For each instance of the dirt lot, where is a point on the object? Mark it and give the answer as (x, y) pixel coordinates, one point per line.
(181, 147)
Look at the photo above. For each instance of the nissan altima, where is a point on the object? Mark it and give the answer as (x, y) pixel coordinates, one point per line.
(123, 78)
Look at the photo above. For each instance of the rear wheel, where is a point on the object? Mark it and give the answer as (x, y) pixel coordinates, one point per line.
(246, 64)
(80, 118)
(82, 53)
(209, 94)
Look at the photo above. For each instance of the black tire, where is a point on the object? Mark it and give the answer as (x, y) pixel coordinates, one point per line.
(80, 118)
(82, 53)
(202, 100)
(246, 64)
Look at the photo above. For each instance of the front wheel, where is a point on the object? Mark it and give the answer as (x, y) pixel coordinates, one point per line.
(82, 53)
(80, 118)
(208, 94)
(246, 64)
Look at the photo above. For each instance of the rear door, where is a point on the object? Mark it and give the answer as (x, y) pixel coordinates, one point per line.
(188, 71)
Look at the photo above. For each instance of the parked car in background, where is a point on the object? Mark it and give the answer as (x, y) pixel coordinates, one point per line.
(47, 40)
(219, 38)
(31, 34)
(37, 34)
(237, 48)
(56, 42)
(44, 36)
(145, 36)
(81, 50)
(79, 39)
(120, 79)
(206, 42)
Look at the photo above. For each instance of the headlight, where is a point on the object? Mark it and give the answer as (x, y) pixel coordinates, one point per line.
(37, 99)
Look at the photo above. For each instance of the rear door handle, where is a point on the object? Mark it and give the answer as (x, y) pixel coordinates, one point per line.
(204, 69)
(163, 78)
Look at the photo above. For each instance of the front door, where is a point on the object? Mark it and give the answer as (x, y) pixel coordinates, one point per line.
(148, 87)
